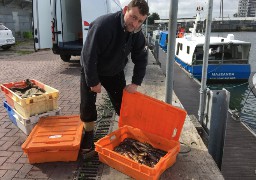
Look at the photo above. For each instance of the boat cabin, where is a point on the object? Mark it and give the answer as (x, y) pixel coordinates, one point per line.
(221, 51)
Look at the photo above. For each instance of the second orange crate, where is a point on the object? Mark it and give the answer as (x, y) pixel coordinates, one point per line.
(147, 120)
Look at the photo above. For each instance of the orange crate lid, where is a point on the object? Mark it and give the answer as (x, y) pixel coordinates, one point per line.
(55, 133)
(151, 115)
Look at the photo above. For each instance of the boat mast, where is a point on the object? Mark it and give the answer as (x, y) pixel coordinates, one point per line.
(221, 9)
(198, 18)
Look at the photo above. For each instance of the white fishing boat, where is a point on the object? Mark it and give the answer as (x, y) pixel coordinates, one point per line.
(228, 58)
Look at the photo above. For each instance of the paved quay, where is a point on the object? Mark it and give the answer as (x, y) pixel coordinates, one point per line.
(193, 162)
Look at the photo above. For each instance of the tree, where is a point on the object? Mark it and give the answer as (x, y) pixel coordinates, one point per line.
(235, 15)
(152, 17)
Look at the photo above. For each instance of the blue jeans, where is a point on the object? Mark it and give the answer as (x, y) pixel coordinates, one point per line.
(114, 86)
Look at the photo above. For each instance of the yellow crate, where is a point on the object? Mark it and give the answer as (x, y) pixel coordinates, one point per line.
(32, 105)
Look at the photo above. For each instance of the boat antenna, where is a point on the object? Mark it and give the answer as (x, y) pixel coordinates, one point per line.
(198, 17)
(221, 9)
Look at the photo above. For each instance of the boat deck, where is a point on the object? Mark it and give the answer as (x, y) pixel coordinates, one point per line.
(239, 157)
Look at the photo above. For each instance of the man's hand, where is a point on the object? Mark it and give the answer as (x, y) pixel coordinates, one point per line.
(131, 88)
(96, 88)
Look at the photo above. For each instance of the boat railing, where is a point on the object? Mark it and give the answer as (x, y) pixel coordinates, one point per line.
(224, 61)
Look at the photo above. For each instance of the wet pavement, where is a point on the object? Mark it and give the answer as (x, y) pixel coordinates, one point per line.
(49, 69)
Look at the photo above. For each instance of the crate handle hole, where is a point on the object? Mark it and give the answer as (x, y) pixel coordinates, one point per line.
(174, 132)
(112, 138)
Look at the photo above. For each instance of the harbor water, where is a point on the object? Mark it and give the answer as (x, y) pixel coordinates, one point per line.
(242, 100)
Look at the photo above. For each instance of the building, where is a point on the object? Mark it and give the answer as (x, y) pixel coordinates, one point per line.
(17, 16)
(246, 8)
(251, 8)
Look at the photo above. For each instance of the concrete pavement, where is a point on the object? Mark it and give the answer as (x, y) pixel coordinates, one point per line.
(51, 70)
(48, 68)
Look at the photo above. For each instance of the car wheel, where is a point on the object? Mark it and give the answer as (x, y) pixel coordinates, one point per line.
(6, 47)
(65, 57)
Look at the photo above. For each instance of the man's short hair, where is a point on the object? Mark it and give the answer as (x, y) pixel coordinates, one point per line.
(142, 6)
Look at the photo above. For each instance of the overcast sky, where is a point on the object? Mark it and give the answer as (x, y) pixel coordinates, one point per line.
(187, 8)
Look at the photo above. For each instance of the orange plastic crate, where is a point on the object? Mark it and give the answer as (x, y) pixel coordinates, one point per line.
(147, 120)
(55, 138)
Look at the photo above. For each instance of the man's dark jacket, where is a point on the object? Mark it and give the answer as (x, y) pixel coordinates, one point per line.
(106, 49)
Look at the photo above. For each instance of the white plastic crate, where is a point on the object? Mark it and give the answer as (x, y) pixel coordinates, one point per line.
(27, 124)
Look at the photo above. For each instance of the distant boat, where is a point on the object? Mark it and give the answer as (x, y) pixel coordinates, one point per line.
(163, 41)
(228, 58)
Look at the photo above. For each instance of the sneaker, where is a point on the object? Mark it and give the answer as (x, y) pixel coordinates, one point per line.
(87, 146)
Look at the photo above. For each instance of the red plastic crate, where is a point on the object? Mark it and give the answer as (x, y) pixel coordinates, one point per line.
(147, 120)
(55, 138)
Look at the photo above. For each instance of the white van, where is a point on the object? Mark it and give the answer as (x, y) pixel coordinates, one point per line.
(62, 25)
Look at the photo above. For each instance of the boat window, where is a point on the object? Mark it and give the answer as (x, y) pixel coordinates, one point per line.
(178, 49)
(181, 46)
(227, 52)
(224, 54)
(198, 55)
(236, 53)
(215, 53)
(188, 49)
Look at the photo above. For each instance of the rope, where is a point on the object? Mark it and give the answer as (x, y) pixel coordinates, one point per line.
(187, 146)
(237, 85)
(218, 66)
(236, 114)
(247, 98)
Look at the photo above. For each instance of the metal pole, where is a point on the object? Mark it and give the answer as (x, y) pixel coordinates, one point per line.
(205, 62)
(218, 103)
(147, 27)
(172, 26)
(222, 10)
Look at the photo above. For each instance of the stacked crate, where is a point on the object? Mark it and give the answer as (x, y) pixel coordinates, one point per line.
(25, 112)
(55, 138)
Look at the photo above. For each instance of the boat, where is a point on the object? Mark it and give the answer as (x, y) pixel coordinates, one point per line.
(228, 58)
(163, 40)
